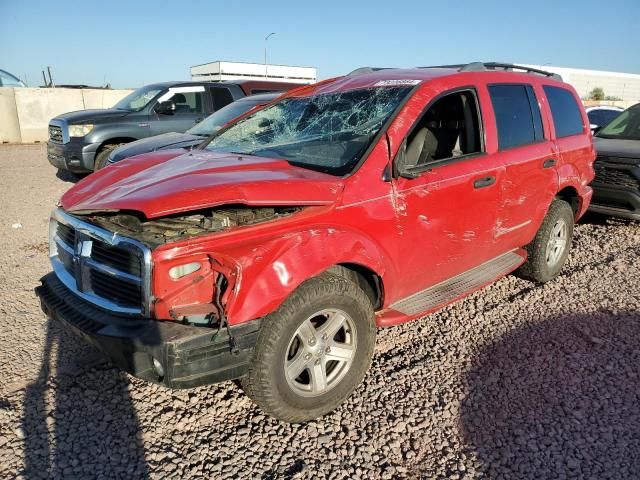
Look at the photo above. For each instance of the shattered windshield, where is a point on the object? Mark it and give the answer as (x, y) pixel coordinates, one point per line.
(328, 132)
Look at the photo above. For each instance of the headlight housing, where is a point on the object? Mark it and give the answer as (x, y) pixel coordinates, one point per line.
(80, 130)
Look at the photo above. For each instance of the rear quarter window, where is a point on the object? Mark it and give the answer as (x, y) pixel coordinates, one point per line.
(565, 111)
(221, 97)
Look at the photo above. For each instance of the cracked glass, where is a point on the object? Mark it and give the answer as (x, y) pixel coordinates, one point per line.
(327, 132)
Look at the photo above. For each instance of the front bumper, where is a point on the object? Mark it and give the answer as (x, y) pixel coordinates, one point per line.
(189, 356)
(616, 201)
(76, 156)
(616, 188)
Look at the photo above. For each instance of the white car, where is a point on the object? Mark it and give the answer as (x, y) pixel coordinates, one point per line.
(8, 80)
(601, 115)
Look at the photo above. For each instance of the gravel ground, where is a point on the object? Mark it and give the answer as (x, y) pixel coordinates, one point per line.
(516, 381)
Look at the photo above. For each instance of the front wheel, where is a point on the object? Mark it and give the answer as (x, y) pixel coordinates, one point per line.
(313, 351)
(549, 249)
(103, 156)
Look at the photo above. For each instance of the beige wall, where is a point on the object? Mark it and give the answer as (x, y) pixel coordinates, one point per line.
(25, 112)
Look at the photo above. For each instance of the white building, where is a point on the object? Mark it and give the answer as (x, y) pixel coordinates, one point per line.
(625, 86)
(252, 71)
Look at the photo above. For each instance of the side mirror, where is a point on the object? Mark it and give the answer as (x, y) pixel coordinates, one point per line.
(595, 128)
(166, 108)
(400, 164)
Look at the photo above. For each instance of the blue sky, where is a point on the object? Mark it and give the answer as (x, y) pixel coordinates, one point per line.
(131, 43)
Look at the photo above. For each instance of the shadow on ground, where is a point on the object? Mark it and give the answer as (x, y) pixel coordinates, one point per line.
(79, 421)
(558, 399)
(67, 176)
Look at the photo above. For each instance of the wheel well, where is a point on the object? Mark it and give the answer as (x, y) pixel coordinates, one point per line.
(115, 141)
(570, 195)
(365, 278)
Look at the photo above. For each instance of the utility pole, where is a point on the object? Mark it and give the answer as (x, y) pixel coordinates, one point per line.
(265, 52)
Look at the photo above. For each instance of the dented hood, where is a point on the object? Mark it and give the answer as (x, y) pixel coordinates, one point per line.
(157, 184)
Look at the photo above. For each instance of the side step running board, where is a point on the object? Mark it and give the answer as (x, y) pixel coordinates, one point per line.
(455, 287)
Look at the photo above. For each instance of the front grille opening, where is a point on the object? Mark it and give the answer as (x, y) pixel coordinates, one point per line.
(119, 258)
(55, 134)
(118, 291)
(609, 175)
(66, 259)
(66, 234)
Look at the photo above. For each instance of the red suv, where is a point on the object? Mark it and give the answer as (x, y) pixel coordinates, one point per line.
(272, 253)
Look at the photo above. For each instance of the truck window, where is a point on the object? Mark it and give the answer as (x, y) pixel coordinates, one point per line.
(221, 97)
(565, 111)
(188, 102)
(517, 115)
(449, 128)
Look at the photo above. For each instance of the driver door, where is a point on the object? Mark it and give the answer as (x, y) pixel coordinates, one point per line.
(190, 108)
(448, 195)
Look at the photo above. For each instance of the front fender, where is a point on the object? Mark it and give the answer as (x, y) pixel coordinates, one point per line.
(273, 269)
(104, 132)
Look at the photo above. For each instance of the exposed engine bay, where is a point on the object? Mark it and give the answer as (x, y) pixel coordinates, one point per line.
(179, 227)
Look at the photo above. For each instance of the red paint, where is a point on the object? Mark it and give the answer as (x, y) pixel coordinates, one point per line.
(412, 233)
(161, 185)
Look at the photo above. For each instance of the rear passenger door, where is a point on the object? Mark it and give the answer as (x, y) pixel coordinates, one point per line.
(530, 159)
(569, 128)
(220, 96)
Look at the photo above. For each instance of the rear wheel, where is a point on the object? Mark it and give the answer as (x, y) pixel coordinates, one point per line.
(549, 249)
(313, 351)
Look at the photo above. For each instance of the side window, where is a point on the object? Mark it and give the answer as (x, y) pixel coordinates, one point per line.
(221, 97)
(518, 119)
(189, 102)
(449, 128)
(596, 117)
(564, 110)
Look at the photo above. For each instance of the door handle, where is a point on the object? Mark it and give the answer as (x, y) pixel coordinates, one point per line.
(484, 182)
(549, 163)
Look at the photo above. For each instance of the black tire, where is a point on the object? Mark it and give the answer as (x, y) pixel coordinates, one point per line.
(537, 267)
(266, 382)
(102, 156)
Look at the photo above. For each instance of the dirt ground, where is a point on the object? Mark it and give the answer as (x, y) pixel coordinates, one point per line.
(515, 381)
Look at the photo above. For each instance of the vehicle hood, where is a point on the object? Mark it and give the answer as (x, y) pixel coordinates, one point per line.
(92, 116)
(617, 148)
(151, 144)
(157, 184)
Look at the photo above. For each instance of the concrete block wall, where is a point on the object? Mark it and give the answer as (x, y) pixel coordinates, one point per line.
(25, 112)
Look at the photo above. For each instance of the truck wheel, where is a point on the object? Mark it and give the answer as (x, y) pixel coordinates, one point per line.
(313, 351)
(549, 249)
(102, 156)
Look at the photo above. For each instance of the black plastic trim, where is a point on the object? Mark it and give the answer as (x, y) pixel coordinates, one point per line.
(190, 356)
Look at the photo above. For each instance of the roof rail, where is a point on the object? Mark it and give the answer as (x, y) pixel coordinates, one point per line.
(486, 66)
(363, 70)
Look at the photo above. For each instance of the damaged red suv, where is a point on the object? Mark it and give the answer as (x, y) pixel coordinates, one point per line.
(272, 253)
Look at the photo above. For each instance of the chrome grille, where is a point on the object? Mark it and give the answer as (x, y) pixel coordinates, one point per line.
(609, 174)
(55, 134)
(110, 271)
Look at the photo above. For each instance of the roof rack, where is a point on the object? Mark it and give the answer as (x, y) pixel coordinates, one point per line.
(486, 66)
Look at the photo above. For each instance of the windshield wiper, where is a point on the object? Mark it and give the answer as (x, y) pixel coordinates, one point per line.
(248, 154)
